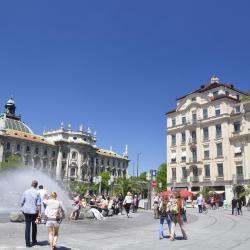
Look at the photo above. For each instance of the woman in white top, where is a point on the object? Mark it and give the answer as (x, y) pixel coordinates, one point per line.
(52, 212)
(127, 202)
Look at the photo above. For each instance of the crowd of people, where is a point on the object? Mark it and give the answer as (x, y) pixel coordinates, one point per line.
(104, 205)
(38, 206)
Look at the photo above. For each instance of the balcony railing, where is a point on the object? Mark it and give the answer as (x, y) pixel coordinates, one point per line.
(239, 177)
(184, 179)
(206, 178)
(193, 160)
(219, 178)
(195, 179)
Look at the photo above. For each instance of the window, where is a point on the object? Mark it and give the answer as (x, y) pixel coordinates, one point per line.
(173, 122)
(64, 155)
(237, 150)
(194, 117)
(207, 170)
(217, 110)
(18, 147)
(53, 153)
(173, 157)
(45, 152)
(218, 130)
(44, 164)
(193, 99)
(205, 114)
(183, 156)
(108, 162)
(220, 170)
(193, 134)
(173, 140)
(36, 151)
(237, 126)
(205, 133)
(239, 171)
(184, 173)
(237, 109)
(8, 146)
(174, 173)
(194, 154)
(184, 121)
(27, 149)
(102, 162)
(226, 93)
(215, 93)
(72, 172)
(219, 149)
(183, 137)
(74, 155)
(195, 171)
(206, 153)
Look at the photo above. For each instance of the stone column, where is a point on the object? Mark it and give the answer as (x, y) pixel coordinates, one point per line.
(78, 166)
(94, 173)
(59, 165)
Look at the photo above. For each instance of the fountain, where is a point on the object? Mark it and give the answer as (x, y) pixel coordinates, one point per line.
(14, 182)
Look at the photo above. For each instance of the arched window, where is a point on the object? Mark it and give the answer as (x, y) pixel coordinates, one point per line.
(72, 172)
(8, 146)
(74, 155)
(18, 147)
(37, 151)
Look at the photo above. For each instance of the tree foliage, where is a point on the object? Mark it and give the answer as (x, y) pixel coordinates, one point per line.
(105, 180)
(161, 177)
(245, 99)
(11, 161)
(123, 185)
(206, 192)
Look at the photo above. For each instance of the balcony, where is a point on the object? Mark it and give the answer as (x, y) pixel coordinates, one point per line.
(194, 179)
(220, 178)
(193, 160)
(206, 179)
(192, 141)
(184, 180)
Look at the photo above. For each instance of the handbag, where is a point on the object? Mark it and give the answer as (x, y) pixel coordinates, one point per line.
(60, 214)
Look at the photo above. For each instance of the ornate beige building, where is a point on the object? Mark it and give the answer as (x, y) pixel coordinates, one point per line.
(208, 140)
(63, 153)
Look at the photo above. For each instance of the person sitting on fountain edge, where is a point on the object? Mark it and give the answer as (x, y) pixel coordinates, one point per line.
(31, 208)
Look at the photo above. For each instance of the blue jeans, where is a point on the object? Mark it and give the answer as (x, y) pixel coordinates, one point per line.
(184, 216)
(168, 221)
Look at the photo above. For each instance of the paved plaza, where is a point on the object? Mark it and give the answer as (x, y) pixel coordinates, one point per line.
(215, 230)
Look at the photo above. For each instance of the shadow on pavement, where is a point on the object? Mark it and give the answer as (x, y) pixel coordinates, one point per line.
(42, 243)
(62, 248)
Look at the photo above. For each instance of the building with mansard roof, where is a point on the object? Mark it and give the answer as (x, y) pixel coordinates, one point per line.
(208, 140)
(63, 153)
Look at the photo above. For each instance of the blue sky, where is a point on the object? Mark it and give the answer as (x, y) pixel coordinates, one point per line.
(117, 66)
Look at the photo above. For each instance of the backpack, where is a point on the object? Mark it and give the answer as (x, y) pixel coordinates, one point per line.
(60, 214)
(174, 209)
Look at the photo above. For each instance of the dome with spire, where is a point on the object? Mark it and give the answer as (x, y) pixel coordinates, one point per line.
(9, 119)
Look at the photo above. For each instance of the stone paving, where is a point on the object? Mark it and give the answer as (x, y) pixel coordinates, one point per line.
(215, 230)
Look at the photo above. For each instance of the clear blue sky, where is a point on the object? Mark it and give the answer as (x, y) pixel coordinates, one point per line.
(117, 66)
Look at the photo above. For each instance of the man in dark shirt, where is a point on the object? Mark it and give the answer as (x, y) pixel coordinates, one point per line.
(234, 206)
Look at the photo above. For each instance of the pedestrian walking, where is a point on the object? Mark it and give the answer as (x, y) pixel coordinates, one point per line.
(175, 211)
(135, 203)
(31, 208)
(239, 206)
(234, 206)
(54, 213)
(200, 203)
(156, 203)
(43, 195)
(127, 202)
(164, 210)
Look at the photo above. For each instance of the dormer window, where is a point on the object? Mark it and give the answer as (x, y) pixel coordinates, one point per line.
(193, 99)
(215, 93)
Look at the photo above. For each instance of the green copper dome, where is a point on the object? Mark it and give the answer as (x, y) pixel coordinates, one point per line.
(8, 123)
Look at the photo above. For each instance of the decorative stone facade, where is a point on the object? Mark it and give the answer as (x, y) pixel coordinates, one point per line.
(63, 153)
(208, 140)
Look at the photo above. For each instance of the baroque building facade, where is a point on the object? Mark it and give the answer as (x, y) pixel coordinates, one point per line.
(208, 140)
(62, 153)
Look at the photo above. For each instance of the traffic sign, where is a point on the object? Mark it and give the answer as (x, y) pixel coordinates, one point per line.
(153, 173)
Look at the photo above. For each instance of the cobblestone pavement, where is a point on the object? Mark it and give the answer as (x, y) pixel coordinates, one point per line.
(215, 230)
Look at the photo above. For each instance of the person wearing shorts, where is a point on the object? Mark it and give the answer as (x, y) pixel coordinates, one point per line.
(51, 212)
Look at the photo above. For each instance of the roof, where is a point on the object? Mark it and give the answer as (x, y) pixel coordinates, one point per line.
(26, 136)
(209, 86)
(213, 98)
(15, 124)
(109, 153)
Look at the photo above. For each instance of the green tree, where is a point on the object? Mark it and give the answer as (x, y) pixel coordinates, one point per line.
(123, 185)
(245, 99)
(105, 180)
(143, 176)
(79, 187)
(206, 192)
(161, 177)
(11, 161)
